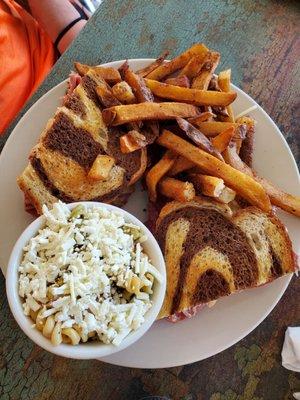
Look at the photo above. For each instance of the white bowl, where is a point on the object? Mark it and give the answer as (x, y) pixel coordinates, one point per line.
(93, 349)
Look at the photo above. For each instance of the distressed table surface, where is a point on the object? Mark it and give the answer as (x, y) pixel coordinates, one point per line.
(260, 41)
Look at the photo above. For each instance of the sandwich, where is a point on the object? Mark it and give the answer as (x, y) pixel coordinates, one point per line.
(211, 252)
(78, 158)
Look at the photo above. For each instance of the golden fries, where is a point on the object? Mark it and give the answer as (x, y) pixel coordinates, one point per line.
(123, 114)
(142, 94)
(198, 138)
(210, 64)
(221, 142)
(140, 90)
(278, 197)
(151, 67)
(193, 96)
(101, 168)
(193, 67)
(123, 92)
(157, 172)
(132, 141)
(207, 185)
(224, 84)
(177, 190)
(181, 165)
(182, 81)
(213, 128)
(243, 184)
(109, 74)
(226, 196)
(213, 187)
(205, 116)
(232, 158)
(133, 101)
(178, 62)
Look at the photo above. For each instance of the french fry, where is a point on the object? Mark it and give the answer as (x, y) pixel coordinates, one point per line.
(244, 136)
(142, 94)
(278, 197)
(205, 116)
(109, 74)
(123, 92)
(226, 196)
(181, 165)
(207, 185)
(219, 111)
(101, 168)
(221, 142)
(176, 189)
(182, 81)
(123, 68)
(178, 62)
(144, 161)
(151, 67)
(210, 64)
(243, 184)
(132, 141)
(232, 158)
(123, 114)
(106, 97)
(193, 67)
(193, 96)
(137, 84)
(198, 138)
(213, 128)
(157, 172)
(224, 84)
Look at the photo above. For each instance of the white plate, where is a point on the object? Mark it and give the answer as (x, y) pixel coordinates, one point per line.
(212, 330)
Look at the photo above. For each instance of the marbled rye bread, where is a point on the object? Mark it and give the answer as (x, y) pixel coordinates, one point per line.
(59, 163)
(211, 253)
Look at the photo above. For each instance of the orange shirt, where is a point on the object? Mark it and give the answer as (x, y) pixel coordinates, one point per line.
(26, 56)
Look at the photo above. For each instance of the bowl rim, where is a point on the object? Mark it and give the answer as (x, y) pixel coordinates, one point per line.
(95, 349)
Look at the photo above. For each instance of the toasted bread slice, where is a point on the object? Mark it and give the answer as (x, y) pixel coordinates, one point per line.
(269, 240)
(211, 253)
(68, 146)
(34, 190)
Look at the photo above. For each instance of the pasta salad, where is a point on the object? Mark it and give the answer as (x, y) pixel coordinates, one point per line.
(85, 276)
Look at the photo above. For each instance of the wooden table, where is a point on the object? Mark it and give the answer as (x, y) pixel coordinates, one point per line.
(260, 41)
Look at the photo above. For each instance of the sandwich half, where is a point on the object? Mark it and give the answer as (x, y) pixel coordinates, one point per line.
(211, 253)
(59, 164)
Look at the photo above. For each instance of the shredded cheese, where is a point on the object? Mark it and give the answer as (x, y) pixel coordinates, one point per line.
(78, 267)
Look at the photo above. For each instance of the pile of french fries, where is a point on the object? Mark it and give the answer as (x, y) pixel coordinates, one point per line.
(183, 106)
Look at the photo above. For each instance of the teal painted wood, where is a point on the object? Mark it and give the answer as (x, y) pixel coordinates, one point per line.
(260, 41)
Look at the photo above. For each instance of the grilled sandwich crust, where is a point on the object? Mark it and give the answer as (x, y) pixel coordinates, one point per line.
(210, 254)
(72, 139)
